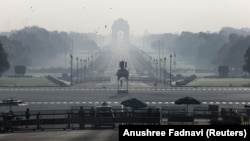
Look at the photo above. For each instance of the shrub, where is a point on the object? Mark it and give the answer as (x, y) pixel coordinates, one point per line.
(20, 70)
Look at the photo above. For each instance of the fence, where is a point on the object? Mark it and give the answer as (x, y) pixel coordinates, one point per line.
(89, 117)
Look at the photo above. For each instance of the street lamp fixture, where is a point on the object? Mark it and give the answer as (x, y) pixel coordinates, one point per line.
(71, 69)
(165, 61)
(76, 70)
(170, 70)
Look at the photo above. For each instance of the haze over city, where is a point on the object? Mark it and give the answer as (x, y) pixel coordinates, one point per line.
(154, 16)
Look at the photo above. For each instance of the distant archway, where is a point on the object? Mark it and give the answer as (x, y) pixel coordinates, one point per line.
(120, 27)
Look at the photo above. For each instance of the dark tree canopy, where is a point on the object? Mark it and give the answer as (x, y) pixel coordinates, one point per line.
(223, 71)
(4, 64)
(246, 66)
(20, 70)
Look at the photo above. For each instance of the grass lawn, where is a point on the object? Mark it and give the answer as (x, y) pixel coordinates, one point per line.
(220, 82)
(25, 81)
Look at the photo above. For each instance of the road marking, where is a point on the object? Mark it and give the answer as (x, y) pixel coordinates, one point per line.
(116, 102)
(217, 102)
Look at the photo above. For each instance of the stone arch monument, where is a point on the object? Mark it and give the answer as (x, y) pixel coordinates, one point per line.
(118, 26)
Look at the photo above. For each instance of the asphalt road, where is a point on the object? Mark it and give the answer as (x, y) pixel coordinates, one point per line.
(42, 98)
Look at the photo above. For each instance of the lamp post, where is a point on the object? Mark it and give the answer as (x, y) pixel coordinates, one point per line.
(71, 67)
(156, 71)
(76, 70)
(170, 69)
(165, 64)
(81, 69)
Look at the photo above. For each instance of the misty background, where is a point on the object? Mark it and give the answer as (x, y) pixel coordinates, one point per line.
(39, 48)
(202, 34)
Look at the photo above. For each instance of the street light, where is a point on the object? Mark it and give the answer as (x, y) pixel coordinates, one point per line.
(81, 69)
(165, 64)
(170, 69)
(71, 67)
(156, 72)
(76, 70)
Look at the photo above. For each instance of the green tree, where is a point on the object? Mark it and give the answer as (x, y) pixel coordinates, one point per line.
(4, 64)
(246, 66)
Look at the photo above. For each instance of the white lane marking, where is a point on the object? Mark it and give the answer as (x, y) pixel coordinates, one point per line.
(163, 89)
(115, 102)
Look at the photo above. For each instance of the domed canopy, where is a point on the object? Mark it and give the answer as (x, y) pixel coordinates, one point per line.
(122, 73)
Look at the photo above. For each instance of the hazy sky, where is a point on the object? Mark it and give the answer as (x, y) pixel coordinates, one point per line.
(155, 16)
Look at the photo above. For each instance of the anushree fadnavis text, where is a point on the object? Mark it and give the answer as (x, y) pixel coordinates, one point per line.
(183, 132)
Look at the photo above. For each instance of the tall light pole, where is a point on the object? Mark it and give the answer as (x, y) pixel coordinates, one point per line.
(71, 69)
(88, 66)
(156, 71)
(165, 65)
(81, 69)
(160, 59)
(170, 69)
(76, 70)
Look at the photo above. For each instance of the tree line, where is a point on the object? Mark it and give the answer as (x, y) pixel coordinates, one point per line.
(35, 46)
(204, 49)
